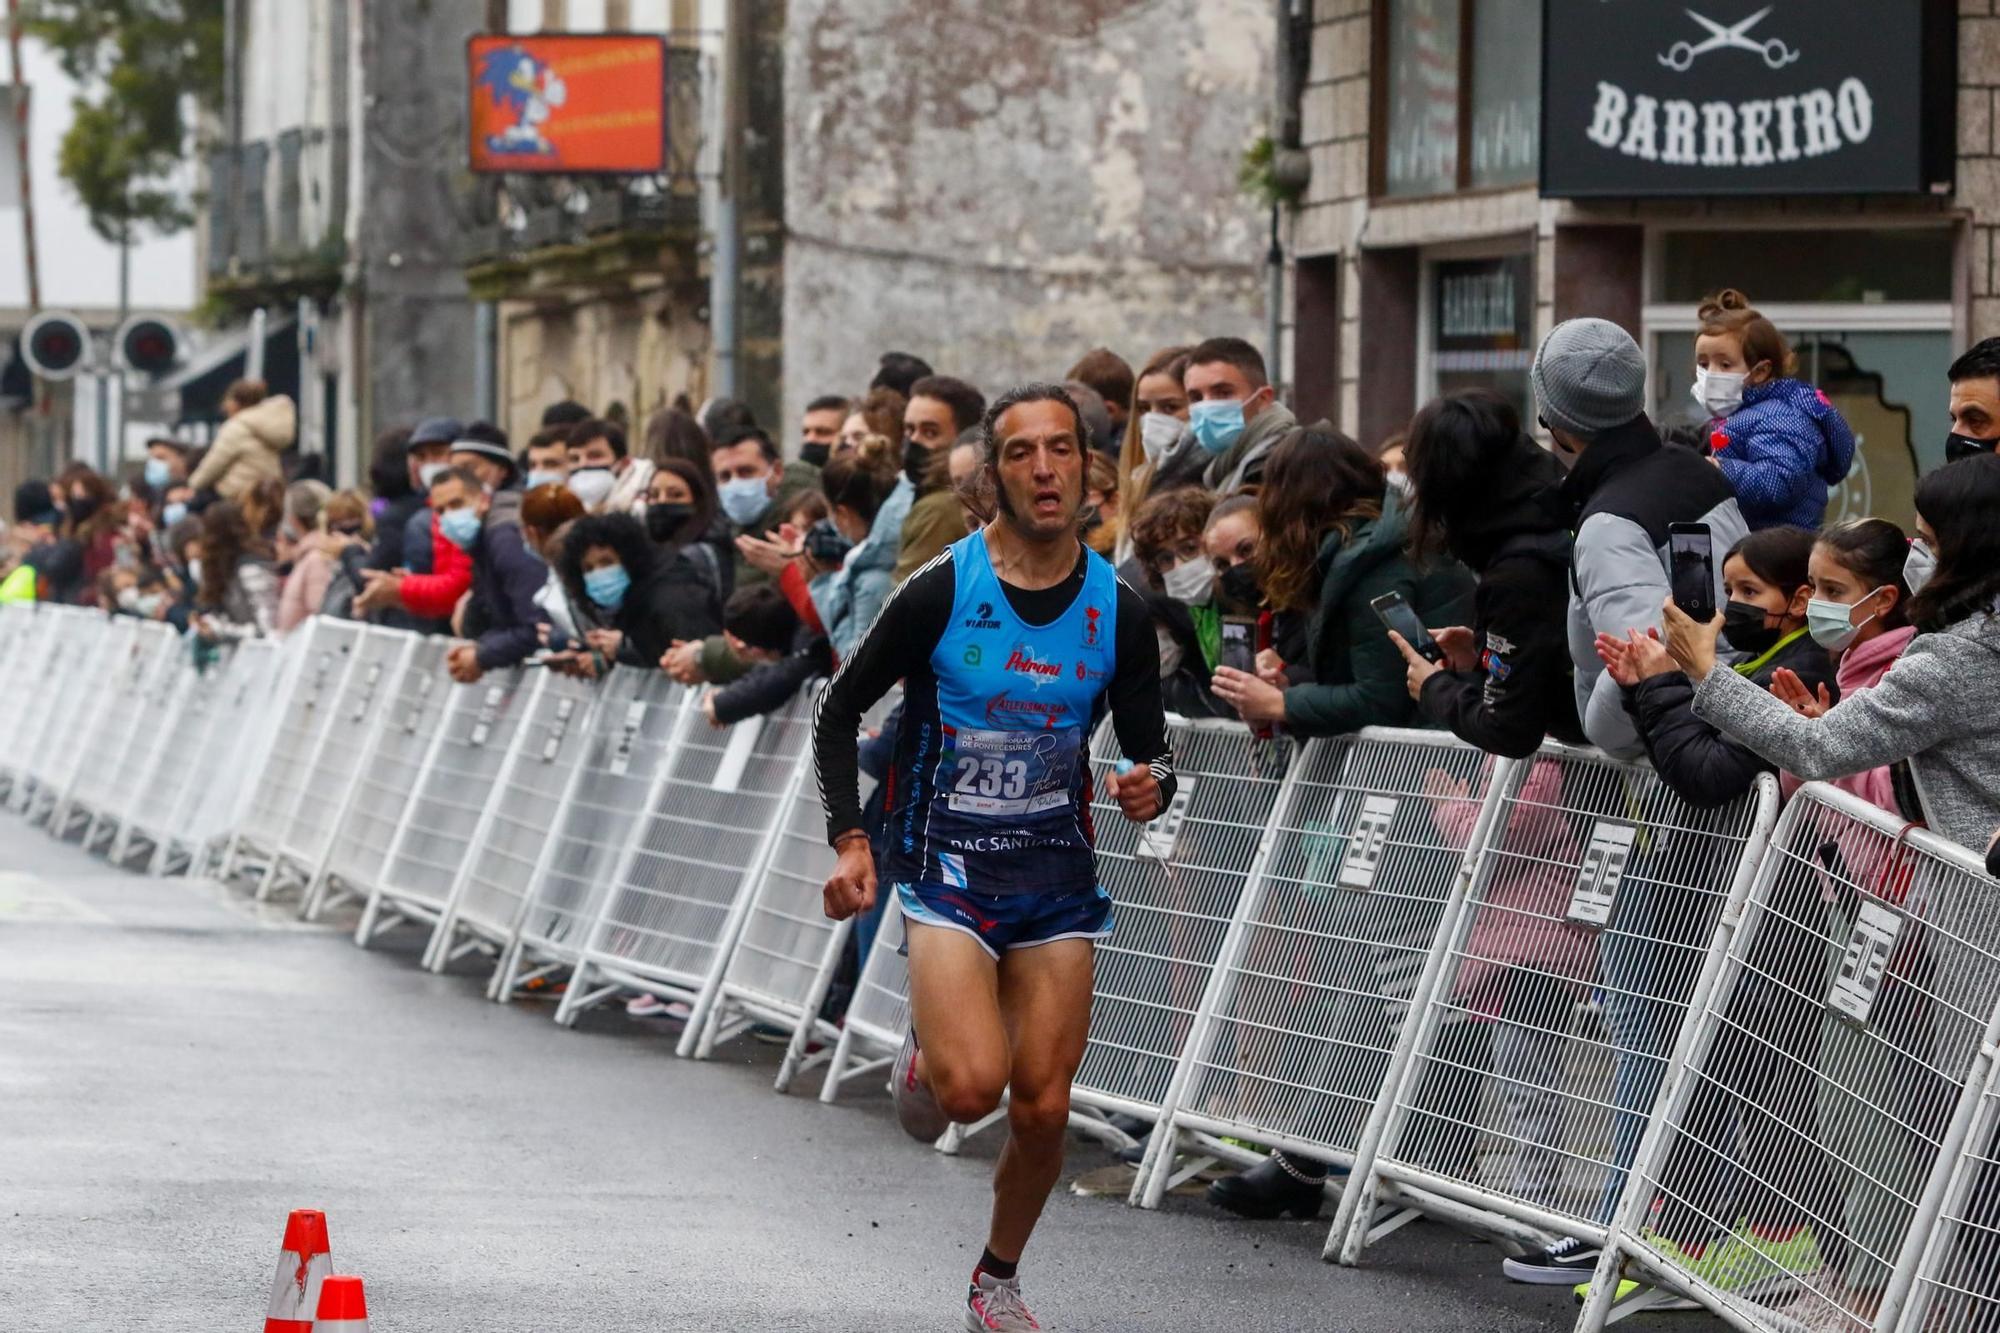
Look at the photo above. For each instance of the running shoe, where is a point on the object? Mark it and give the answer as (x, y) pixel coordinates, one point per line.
(995, 1306)
(648, 1005)
(917, 1110)
(1563, 1264)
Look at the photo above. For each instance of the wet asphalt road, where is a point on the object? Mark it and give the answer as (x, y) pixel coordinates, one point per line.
(177, 1071)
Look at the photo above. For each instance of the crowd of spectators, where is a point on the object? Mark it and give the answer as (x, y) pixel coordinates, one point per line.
(1266, 550)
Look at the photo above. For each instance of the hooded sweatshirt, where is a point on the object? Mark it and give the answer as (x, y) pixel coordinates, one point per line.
(1242, 463)
(1935, 706)
(1787, 445)
(247, 449)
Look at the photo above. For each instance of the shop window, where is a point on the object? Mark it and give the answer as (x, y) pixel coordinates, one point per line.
(1460, 103)
(1863, 265)
(1482, 316)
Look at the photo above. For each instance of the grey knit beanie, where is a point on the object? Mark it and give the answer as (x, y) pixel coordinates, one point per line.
(1589, 377)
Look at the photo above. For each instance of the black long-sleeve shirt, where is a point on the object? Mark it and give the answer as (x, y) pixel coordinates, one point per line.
(900, 643)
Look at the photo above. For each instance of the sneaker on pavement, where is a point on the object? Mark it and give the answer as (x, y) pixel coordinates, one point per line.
(649, 1005)
(995, 1306)
(917, 1110)
(1563, 1264)
(1626, 1287)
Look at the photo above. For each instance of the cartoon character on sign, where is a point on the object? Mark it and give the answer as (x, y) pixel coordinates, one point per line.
(527, 88)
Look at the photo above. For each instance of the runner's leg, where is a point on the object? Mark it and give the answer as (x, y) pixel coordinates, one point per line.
(955, 1007)
(1045, 993)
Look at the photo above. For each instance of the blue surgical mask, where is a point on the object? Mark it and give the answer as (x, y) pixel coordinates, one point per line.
(541, 476)
(1832, 624)
(1217, 424)
(173, 513)
(460, 527)
(157, 473)
(607, 586)
(744, 499)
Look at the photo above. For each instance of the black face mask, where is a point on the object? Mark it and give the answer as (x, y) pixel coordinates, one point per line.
(1744, 626)
(1239, 585)
(665, 520)
(1958, 446)
(816, 454)
(82, 507)
(915, 459)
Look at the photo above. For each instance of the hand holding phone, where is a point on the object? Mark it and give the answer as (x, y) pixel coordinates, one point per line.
(1396, 613)
(1691, 570)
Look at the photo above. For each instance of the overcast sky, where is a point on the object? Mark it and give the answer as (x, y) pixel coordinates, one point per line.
(78, 268)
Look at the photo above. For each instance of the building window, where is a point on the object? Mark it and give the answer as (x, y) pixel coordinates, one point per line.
(1480, 324)
(1460, 105)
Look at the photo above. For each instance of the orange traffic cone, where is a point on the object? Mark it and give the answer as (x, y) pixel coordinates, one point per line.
(306, 1259)
(343, 1308)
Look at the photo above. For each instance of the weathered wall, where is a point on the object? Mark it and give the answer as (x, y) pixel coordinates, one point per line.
(999, 188)
(415, 208)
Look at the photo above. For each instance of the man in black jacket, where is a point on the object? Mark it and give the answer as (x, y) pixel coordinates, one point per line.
(502, 617)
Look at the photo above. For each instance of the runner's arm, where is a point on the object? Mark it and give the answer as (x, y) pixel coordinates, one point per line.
(906, 629)
(1138, 714)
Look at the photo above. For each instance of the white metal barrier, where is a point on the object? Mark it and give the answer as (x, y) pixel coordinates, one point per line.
(50, 741)
(140, 652)
(630, 740)
(1822, 1157)
(186, 702)
(251, 678)
(1594, 921)
(879, 1013)
(1330, 952)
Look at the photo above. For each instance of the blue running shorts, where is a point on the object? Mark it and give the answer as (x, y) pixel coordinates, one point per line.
(1003, 921)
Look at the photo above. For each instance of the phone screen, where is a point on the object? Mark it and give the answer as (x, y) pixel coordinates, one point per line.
(1239, 644)
(1691, 560)
(1398, 615)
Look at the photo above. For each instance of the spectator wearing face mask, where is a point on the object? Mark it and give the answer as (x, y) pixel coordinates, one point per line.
(343, 527)
(1975, 402)
(482, 450)
(1234, 414)
(1777, 439)
(237, 596)
(1174, 577)
(851, 576)
(166, 467)
(819, 428)
(546, 459)
(1934, 707)
(633, 600)
(428, 598)
(502, 618)
(1335, 539)
(940, 412)
(48, 564)
(546, 514)
(682, 515)
(93, 522)
(602, 473)
(1155, 420)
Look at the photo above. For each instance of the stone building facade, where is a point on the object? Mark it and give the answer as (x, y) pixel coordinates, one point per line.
(1842, 173)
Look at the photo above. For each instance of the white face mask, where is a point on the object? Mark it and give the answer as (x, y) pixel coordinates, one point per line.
(429, 472)
(1918, 566)
(1157, 433)
(1190, 582)
(592, 485)
(1399, 480)
(1719, 394)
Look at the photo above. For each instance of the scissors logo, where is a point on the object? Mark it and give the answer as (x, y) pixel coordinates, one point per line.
(1682, 55)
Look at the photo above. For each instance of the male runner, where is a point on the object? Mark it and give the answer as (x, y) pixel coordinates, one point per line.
(1010, 645)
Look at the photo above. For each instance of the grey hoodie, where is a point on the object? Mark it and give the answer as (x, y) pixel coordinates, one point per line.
(1242, 463)
(1936, 707)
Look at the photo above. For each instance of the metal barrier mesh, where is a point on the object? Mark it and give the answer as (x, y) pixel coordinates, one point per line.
(630, 738)
(1829, 1059)
(362, 705)
(247, 677)
(169, 679)
(521, 811)
(1365, 855)
(444, 810)
(879, 1013)
(1175, 885)
(54, 735)
(194, 693)
(699, 847)
(389, 773)
(1566, 985)
(299, 719)
(132, 652)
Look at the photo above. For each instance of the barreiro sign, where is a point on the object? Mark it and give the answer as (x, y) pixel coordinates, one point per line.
(582, 104)
(1648, 97)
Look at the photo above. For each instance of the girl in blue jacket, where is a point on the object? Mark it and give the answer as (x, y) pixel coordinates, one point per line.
(1777, 438)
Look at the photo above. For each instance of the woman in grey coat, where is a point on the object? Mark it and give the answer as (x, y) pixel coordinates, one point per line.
(1938, 708)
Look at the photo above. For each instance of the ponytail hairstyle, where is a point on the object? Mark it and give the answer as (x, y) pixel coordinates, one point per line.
(1315, 482)
(1779, 556)
(1729, 314)
(1961, 502)
(1873, 550)
(857, 480)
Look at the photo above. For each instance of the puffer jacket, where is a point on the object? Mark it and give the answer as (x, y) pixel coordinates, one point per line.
(1357, 673)
(1934, 707)
(1786, 445)
(1704, 767)
(434, 595)
(247, 449)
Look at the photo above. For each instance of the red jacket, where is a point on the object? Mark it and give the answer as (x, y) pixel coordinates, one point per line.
(435, 595)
